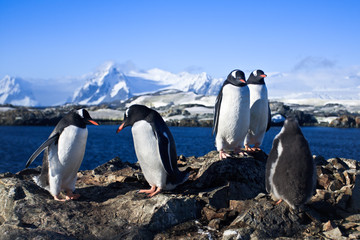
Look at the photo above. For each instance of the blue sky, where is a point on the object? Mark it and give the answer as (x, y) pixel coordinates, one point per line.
(57, 39)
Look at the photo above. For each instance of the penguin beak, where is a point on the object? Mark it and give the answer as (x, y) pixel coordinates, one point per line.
(264, 75)
(120, 128)
(93, 122)
(242, 80)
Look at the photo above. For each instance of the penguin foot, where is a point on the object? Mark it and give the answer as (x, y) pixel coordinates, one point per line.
(278, 202)
(71, 196)
(57, 198)
(223, 155)
(256, 148)
(240, 152)
(151, 192)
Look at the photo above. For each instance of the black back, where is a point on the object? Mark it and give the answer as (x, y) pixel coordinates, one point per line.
(140, 112)
(72, 118)
(295, 171)
(233, 78)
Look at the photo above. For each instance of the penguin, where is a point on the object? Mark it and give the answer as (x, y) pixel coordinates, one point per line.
(64, 152)
(155, 149)
(290, 168)
(232, 114)
(260, 115)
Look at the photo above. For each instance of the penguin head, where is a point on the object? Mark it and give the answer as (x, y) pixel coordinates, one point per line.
(291, 125)
(257, 77)
(133, 114)
(85, 116)
(237, 78)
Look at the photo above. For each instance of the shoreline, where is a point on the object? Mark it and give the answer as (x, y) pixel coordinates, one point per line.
(186, 115)
(222, 199)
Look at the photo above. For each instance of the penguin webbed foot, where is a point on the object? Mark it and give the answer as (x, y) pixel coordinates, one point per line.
(71, 196)
(59, 199)
(68, 196)
(256, 148)
(151, 192)
(223, 155)
(240, 152)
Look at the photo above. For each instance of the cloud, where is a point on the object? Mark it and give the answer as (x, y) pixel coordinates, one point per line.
(194, 69)
(312, 63)
(317, 78)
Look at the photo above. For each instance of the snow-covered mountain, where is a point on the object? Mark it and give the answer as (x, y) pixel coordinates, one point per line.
(119, 82)
(106, 85)
(110, 84)
(16, 91)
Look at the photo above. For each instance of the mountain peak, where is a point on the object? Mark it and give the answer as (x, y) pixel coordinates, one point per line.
(16, 91)
(110, 84)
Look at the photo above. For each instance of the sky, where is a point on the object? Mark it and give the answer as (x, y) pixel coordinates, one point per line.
(63, 40)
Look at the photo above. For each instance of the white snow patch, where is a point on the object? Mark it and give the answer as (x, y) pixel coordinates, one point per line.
(107, 114)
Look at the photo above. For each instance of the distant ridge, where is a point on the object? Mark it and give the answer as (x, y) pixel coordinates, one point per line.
(16, 91)
(110, 84)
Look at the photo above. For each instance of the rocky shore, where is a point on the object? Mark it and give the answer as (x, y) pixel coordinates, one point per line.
(185, 115)
(221, 200)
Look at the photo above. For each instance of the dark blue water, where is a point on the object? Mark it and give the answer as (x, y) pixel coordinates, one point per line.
(18, 143)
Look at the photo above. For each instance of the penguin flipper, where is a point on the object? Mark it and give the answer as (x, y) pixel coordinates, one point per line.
(47, 143)
(217, 112)
(165, 152)
(269, 119)
(169, 158)
(273, 156)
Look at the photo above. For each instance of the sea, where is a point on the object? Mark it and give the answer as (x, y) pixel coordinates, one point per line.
(17, 143)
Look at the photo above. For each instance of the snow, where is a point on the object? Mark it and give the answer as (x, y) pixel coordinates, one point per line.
(5, 109)
(107, 114)
(200, 110)
(16, 91)
(278, 118)
(113, 83)
(308, 83)
(179, 98)
(117, 87)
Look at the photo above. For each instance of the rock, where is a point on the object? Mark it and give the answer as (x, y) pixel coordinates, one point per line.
(231, 235)
(329, 225)
(333, 234)
(355, 198)
(357, 121)
(221, 200)
(344, 121)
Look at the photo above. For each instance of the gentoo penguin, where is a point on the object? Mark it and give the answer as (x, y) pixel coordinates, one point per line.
(290, 168)
(260, 116)
(232, 114)
(64, 152)
(155, 149)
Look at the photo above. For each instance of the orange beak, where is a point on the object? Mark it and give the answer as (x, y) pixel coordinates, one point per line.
(264, 75)
(242, 80)
(93, 122)
(120, 128)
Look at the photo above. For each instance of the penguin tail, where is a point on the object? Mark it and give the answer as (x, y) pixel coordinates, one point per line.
(181, 177)
(40, 183)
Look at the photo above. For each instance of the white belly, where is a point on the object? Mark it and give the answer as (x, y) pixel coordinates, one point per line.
(258, 113)
(148, 155)
(65, 158)
(234, 117)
